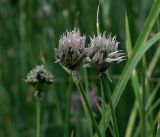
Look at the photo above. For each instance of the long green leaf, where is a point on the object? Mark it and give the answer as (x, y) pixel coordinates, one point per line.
(134, 77)
(127, 72)
(139, 50)
(134, 80)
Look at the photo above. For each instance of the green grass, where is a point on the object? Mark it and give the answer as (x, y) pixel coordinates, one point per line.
(29, 33)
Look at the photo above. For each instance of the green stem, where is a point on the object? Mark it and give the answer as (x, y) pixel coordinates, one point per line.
(38, 107)
(108, 93)
(86, 112)
(78, 123)
(103, 106)
(143, 115)
(97, 23)
(132, 120)
(144, 89)
(67, 123)
(158, 132)
(86, 79)
(81, 90)
(111, 130)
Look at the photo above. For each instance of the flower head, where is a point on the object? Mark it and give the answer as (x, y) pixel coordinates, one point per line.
(39, 75)
(103, 52)
(71, 50)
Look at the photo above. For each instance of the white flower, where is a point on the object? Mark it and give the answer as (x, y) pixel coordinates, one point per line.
(39, 75)
(103, 52)
(71, 50)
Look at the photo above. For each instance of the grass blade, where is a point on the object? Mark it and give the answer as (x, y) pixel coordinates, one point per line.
(132, 62)
(139, 50)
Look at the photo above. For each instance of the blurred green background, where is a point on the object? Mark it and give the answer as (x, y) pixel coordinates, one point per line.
(29, 33)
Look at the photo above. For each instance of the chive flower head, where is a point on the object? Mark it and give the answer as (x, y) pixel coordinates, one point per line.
(39, 75)
(102, 52)
(71, 50)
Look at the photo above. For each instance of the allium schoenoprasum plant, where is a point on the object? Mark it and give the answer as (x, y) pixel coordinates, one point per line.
(70, 54)
(30, 32)
(38, 77)
(101, 54)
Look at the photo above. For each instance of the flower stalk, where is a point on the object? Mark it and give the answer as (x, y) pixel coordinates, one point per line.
(67, 125)
(108, 93)
(38, 78)
(84, 97)
(38, 115)
(103, 105)
(158, 127)
(38, 97)
(69, 54)
(101, 54)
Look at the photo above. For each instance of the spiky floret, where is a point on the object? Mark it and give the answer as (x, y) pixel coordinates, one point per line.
(71, 50)
(102, 52)
(39, 75)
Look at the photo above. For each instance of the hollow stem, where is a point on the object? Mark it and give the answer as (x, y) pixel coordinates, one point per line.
(86, 112)
(38, 108)
(158, 127)
(108, 93)
(158, 132)
(67, 120)
(103, 106)
(143, 115)
(81, 91)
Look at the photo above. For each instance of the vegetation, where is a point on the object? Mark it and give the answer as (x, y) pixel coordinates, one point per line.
(82, 103)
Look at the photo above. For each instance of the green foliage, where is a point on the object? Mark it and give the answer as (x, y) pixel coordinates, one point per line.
(29, 33)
